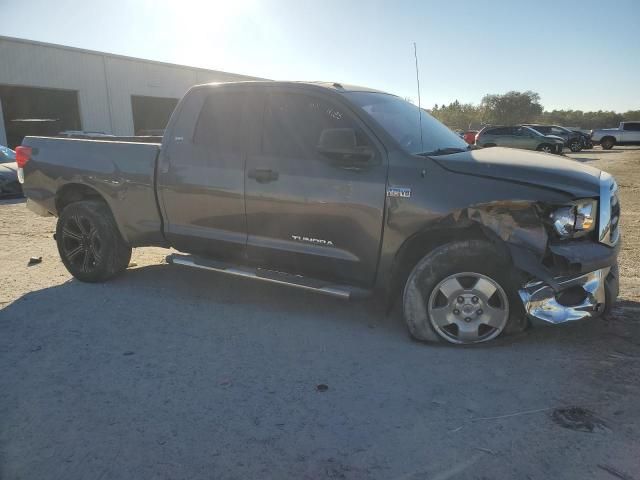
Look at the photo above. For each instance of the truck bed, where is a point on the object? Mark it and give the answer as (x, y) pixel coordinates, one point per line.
(122, 172)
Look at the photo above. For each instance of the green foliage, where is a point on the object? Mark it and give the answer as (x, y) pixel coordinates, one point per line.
(457, 115)
(514, 107)
(511, 108)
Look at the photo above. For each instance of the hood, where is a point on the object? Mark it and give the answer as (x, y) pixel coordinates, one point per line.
(8, 169)
(537, 169)
(554, 137)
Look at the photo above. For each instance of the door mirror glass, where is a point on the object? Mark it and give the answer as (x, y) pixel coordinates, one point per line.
(340, 144)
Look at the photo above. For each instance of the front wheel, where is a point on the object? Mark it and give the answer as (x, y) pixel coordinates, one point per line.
(607, 143)
(89, 242)
(575, 146)
(546, 148)
(459, 293)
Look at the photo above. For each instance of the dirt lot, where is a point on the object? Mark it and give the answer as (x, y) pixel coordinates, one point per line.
(173, 373)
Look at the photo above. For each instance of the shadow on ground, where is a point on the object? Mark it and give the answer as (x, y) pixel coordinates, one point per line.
(169, 372)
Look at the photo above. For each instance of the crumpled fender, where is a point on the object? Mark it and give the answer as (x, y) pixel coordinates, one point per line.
(519, 225)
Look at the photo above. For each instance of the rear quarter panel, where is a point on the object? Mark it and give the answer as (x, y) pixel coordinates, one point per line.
(121, 172)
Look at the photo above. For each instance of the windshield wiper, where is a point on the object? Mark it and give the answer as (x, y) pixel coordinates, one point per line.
(444, 151)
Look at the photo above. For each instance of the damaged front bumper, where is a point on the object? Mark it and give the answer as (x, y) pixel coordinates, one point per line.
(574, 298)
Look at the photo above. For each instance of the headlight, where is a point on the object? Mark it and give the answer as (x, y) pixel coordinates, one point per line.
(576, 219)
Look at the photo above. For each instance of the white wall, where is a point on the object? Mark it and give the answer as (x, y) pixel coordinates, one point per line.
(104, 82)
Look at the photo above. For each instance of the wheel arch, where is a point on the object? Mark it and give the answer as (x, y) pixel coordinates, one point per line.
(431, 237)
(77, 192)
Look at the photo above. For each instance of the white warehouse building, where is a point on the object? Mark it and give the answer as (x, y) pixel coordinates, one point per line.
(46, 89)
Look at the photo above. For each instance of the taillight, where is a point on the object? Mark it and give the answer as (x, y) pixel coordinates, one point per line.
(23, 155)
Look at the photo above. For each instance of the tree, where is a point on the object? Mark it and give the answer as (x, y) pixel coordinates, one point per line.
(511, 108)
(457, 115)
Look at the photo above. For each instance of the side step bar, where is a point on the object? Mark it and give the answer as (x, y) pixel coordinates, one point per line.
(340, 291)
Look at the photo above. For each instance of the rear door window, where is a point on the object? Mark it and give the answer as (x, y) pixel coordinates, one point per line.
(220, 126)
(498, 131)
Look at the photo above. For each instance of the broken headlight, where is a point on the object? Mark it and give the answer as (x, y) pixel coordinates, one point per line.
(575, 220)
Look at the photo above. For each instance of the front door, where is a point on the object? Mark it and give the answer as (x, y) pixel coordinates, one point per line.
(201, 179)
(306, 213)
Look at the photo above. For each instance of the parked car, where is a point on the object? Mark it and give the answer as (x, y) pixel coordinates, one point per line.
(9, 184)
(470, 136)
(572, 140)
(343, 191)
(628, 133)
(518, 137)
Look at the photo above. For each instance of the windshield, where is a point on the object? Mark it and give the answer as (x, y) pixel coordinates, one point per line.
(401, 120)
(7, 155)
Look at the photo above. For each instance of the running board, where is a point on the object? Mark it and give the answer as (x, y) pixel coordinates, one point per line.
(340, 291)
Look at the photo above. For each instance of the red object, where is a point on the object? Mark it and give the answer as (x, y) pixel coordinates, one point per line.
(23, 155)
(470, 136)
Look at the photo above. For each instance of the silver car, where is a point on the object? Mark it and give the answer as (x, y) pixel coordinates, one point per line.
(519, 137)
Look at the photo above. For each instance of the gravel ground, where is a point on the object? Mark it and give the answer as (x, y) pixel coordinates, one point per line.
(172, 373)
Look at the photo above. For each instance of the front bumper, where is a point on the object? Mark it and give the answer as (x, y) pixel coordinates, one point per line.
(577, 297)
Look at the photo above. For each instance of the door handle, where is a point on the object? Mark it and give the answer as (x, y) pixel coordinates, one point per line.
(263, 175)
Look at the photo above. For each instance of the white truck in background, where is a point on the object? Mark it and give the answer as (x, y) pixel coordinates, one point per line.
(628, 133)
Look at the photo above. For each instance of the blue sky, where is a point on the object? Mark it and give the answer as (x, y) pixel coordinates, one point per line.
(575, 54)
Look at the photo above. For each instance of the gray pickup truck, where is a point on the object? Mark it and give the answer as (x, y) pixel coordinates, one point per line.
(344, 191)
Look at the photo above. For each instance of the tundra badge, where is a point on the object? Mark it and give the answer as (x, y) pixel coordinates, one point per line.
(317, 241)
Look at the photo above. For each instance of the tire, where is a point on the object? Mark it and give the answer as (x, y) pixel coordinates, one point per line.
(607, 143)
(89, 242)
(479, 269)
(575, 146)
(546, 148)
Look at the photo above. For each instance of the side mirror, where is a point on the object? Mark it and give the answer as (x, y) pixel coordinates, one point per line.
(340, 145)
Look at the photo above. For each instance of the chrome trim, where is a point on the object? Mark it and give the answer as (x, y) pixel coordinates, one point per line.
(608, 198)
(540, 300)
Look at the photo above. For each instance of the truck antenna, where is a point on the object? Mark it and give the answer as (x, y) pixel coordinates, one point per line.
(415, 55)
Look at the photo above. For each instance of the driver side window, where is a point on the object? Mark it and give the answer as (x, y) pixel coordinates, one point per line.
(293, 124)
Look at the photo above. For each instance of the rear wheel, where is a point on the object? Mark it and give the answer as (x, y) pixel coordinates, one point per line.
(459, 293)
(607, 143)
(89, 242)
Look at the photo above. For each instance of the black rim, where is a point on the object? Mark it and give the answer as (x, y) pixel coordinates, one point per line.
(81, 244)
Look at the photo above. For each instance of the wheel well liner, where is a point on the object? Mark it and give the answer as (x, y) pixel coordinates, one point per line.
(75, 192)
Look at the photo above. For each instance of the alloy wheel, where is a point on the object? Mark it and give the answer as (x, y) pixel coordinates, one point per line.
(81, 243)
(468, 308)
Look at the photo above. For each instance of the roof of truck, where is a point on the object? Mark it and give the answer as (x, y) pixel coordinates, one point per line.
(336, 86)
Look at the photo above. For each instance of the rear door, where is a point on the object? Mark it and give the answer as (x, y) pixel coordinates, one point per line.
(201, 175)
(504, 137)
(307, 214)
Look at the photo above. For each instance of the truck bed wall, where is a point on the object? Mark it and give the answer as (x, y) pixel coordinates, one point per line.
(123, 173)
